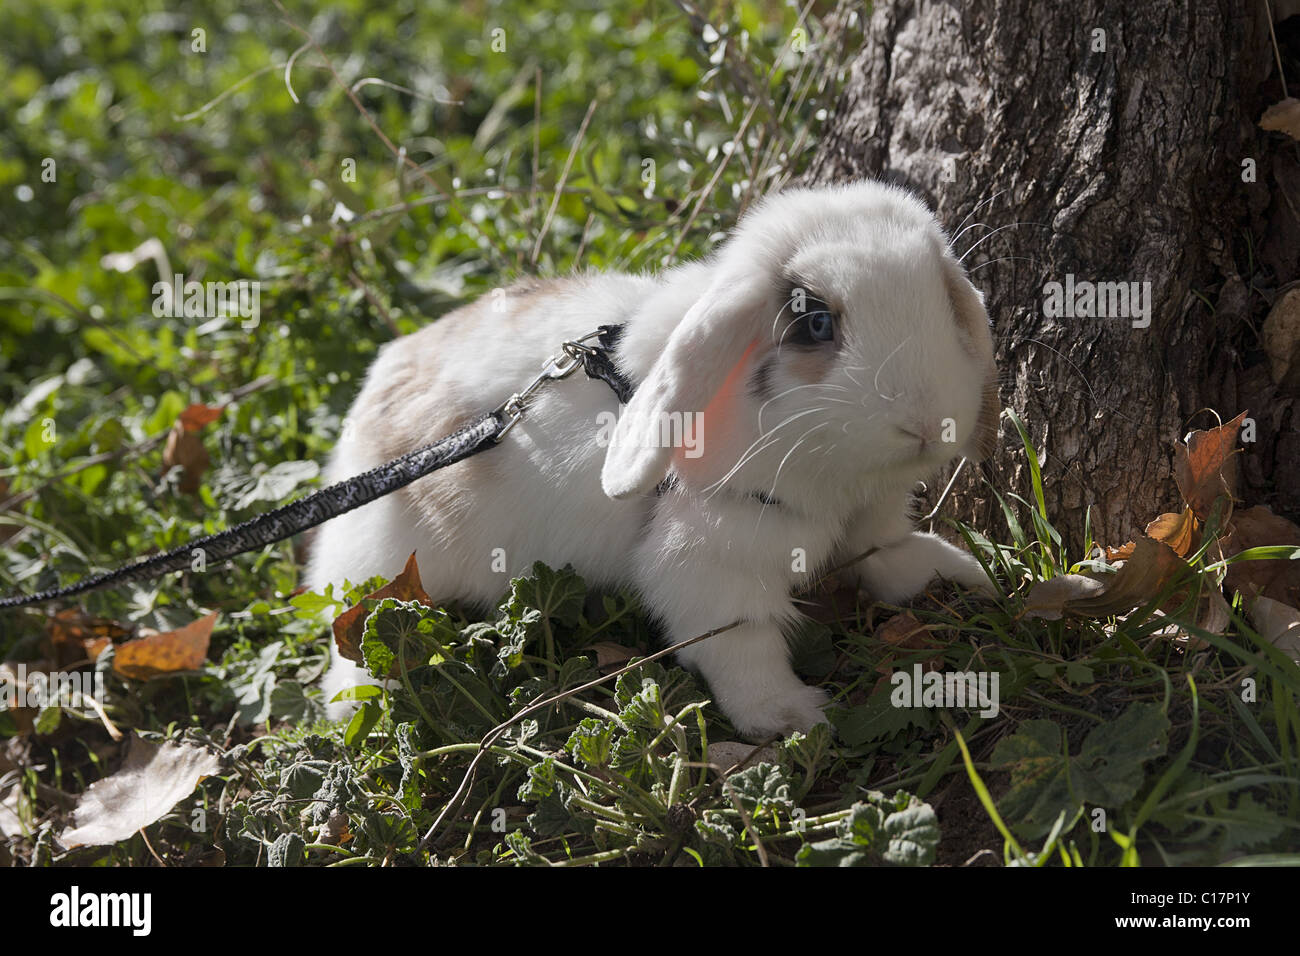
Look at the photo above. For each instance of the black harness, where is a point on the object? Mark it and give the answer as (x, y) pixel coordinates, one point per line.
(317, 508)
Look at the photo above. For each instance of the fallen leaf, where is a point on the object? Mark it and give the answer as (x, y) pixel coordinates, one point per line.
(1179, 531)
(185, 448)
(1204, 468)
(1122, 553)
(1280, 338)
(610, 656)
(350, 626)
(1213, 615)
(725, 754)
(903, 633)
(152, 780)
(1258, 527)
(161, 655)
(1151, 567)
(1283, 117)
(1048, 599)
(1277, 623)
(74, 637)
(335, 830)
(196, 416)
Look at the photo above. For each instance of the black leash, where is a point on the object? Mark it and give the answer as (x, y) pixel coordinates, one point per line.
(317, 508)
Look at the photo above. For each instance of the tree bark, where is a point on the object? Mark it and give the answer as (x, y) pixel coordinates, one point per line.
(1106, 140)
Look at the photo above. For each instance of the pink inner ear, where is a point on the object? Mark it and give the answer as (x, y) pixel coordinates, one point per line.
(720, 412)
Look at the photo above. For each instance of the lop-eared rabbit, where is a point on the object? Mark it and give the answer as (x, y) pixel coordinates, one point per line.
(790, 391)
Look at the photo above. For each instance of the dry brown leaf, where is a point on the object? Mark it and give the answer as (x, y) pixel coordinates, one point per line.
(196, 416)
(1258, 527)
(185, 448)
(1122, 553)
(1277, 623)
(24, 718)
(1283, 117)
(161, 655)
(725, 754)
(1205, 468)
(334, 830)
(610, 656)
(350, 626)
(1280, 337)
(904, 632)
(1213, 615)
(1179, 531)
(153, 779)
(1151, 567)
(73, 637)
(1049, 599)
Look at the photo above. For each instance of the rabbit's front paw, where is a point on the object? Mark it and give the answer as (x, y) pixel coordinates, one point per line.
(796, 709)
(901, 571)
(967, 572)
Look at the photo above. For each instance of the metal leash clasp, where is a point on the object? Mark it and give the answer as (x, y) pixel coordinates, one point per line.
(561, 365)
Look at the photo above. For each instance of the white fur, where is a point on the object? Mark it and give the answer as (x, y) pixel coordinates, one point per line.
(853, 439)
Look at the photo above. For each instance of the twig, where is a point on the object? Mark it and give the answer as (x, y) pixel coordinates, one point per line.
(495, 733)
(568, 165)
(374, 301)
(152, 851)
(492, 735)
(1268, 11)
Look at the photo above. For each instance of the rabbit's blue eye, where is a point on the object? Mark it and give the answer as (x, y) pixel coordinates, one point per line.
(812, 323)
(821, 326)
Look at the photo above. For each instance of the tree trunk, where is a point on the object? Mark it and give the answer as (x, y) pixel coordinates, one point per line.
(1109, 141)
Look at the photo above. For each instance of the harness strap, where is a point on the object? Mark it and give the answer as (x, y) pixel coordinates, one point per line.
(317, 508)
(597, 363)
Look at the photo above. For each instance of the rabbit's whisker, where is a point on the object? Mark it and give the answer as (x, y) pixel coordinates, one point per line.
(746, 455)
(876, 382)
(771, 494)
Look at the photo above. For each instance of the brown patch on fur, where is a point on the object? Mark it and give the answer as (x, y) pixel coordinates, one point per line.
(409, 402)
(808, 365)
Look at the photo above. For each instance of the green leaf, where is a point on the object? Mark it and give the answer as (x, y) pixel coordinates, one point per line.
(645, 709)
(558, 595)
(808, 750)
(360, 692)
(900, 831)
(287, 850)
(912, 834)
(276, 482)
(48, 720)
(591, 742)
(362, 722)
(763, 788)
(1107, 772)
(877, 718)
(540, 783)
(401, 630)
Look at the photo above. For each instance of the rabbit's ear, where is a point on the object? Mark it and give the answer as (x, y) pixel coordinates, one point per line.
(968, 307)
(703, 350)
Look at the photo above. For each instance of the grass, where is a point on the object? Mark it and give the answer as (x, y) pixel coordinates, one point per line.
(1113, 744)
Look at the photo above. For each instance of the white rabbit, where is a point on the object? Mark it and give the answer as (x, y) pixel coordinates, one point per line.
(831, 354)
